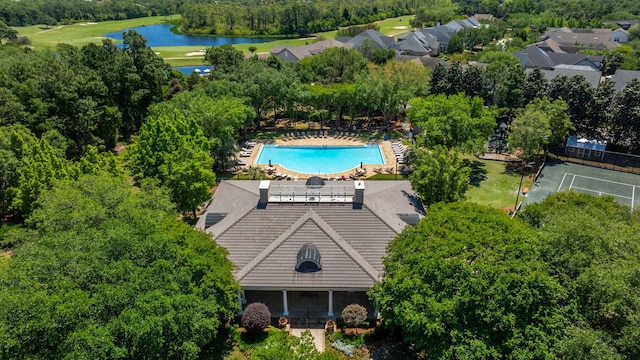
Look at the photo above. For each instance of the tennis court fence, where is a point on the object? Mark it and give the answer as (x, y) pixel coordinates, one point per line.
(602, 159)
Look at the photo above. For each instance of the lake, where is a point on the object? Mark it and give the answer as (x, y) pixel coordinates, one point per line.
(161, 35)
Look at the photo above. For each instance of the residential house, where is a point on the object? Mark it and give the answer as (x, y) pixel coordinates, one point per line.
(419, 42)
(426, 60)
(624, 24)
(590, 74)
(308, 250)
(297, 53)
(371, 37)
(534, 56)
(622, 77)
(574, 40)
(434, 40)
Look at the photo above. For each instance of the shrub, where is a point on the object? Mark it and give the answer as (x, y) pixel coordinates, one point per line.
(354, 314)
(343, 347)
(256, 317)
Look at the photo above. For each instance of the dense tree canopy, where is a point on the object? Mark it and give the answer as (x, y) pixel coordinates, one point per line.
(110, 273)
(469, 282)
(440, 175)
(174, 150)
(453, 121)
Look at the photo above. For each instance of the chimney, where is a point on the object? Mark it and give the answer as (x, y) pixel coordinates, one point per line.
(264, 191)
(359, 195)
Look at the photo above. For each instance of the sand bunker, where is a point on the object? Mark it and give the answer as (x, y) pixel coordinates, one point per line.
(400, 27)
(195, 53)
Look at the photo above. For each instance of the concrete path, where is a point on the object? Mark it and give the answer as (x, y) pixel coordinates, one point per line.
(318, 336)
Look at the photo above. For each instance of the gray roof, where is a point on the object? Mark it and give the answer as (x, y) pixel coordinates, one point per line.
(581, 38)
(379, 39)
(413, 46)
(264, 241)
(297, 53)
(622, 77)
(533, 56)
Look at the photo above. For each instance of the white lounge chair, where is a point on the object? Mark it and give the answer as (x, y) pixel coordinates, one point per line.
(241, 162)
(245, 154)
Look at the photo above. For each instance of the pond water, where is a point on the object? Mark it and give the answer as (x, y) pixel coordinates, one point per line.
(187, 70)
(161, 35)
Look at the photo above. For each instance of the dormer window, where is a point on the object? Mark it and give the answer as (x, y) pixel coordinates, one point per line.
(308, 259)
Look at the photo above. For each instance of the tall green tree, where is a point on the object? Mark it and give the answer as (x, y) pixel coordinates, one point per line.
(535, 86)
(440, 175)
(110, 273)
(223, 58)
(468, 282)
(452, 121)
(530, 131)
(174, 150)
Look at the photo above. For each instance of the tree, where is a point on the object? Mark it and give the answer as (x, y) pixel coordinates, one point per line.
(173, 150)
(223, 58)
(354, 315)
(108, 272)
(333, 65)
(535, 86)
(7, 33)
(256, 317)
(439, 83)
(456, 45)
(559, 123)
(474, 82)
(467, 282)
(440, 175)
(220, 118)
(592, 248)
(453, 121)
(252, 49)
(625, 116)
(530, 131)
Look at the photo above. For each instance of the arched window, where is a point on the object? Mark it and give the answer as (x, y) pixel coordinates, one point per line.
(308, 259)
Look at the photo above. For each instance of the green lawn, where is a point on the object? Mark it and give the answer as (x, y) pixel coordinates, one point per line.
(495, 183)
(84, 33)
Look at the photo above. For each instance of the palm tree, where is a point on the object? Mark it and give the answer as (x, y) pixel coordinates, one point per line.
(253, 173)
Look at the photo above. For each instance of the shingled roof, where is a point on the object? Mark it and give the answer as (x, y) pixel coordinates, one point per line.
(264, 241)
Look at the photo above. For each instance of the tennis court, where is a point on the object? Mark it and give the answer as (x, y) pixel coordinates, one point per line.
(555, 177)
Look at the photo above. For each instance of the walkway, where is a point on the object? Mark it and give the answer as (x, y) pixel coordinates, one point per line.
(318, 336)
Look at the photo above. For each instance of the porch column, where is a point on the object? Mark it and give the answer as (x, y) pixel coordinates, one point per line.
(376, 314)
(285, 306)
(244, 297)
(240, 311)
(330, 314)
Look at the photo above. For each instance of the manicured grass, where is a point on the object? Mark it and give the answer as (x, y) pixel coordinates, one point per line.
(83, 33)
(495, 183)
(395, 26)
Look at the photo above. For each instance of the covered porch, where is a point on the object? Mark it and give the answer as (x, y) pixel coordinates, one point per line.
(308, 304)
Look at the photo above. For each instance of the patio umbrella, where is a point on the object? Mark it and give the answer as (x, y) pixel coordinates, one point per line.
(583, 140)
(197, 70)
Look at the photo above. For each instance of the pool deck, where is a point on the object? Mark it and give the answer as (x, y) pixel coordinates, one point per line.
(388, 156)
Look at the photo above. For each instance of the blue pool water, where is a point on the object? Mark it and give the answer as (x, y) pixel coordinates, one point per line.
(318, 159)
(161, 35)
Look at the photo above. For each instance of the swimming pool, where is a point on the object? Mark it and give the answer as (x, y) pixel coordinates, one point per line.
(320, 159)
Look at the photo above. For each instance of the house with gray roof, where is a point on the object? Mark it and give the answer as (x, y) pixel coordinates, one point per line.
(419, 43)
(622, 77)
(574, 40)
(592, 76)
(624, 24)
(373, 37)
(307, 251)
(297, 53)
(534, 56)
